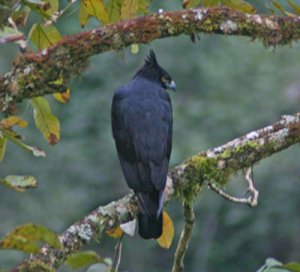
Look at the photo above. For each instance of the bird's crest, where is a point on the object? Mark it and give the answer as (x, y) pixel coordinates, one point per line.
(151, 59)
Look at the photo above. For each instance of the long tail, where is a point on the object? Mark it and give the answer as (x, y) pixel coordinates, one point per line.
(150, 217)
(150, 226)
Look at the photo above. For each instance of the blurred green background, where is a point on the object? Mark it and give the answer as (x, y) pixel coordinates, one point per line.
(226, 87)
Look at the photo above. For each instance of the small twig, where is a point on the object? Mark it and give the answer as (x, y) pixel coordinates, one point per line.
(12, 23)
(227, 196)
(189, 218)
(17, 37)
(12, 38)
(118, 254)
(251, 189)
(251, 200)
(58, 14)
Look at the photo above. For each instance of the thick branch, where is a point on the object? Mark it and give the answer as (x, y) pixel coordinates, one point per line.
(218, 164)
(184, 181)
(80, 233)
(33, 74)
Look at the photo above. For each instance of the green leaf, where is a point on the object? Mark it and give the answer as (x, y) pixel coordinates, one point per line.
(114, 10)
(83, 259)
(134, 48)
(131, 8)
(45, 8)
(210, 3)
(295, 7)
(19, 183)
(45, 121)
(97, 9)
(52, 7)
(44, 36)
(235, 4)
(20, 16)
(3, 142)
(190, 3)
(240, 5)
(28, 238)
(143, 6)
(279, 7)
(292, 267)
(16, 139)
(83, 15)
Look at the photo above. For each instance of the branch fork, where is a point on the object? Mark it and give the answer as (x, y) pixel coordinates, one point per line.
(252, 200)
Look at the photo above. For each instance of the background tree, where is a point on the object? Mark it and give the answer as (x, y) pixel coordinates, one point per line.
(227, 87)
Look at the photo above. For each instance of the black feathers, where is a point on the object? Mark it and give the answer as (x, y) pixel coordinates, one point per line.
(152, 71)
(151, 59)
(142, 129)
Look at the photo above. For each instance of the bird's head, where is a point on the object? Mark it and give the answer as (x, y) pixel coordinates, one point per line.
(152, 70)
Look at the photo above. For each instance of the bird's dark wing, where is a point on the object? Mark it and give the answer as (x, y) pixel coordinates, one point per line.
(153, 142)
(121, 130)
(142, 128)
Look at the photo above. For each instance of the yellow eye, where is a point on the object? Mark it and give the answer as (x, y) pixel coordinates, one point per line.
(165, 80)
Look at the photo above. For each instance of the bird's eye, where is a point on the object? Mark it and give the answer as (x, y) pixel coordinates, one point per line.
(165, 80)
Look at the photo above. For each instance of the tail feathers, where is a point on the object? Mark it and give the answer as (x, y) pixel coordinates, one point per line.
(150, 226)
(151, 202)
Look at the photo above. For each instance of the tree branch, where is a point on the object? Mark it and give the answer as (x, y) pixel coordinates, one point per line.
(184, 182)
(33, 75)
(189, 219)
(81, 232)
(251, 200)
(6, 9)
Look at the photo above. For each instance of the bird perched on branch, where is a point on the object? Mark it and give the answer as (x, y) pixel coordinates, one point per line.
(142, 128)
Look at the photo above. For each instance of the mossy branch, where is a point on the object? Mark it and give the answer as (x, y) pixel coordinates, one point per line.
(92, 226)
(184, 182)
(34, 75)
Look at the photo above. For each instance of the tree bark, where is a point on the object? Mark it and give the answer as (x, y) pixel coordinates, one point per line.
(184, 182)
(34, 74)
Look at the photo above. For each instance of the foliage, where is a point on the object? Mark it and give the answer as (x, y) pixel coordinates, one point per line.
(235, 4)
(87, 258)
(46, 33)
(28, 237)
(45, 121)
(19, 183)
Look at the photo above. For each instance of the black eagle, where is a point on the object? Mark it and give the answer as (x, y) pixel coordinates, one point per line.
(142, 128)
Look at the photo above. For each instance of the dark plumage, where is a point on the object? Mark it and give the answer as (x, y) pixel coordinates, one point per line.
(142, 128)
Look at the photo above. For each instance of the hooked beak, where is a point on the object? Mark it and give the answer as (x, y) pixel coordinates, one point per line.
(171, 86)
